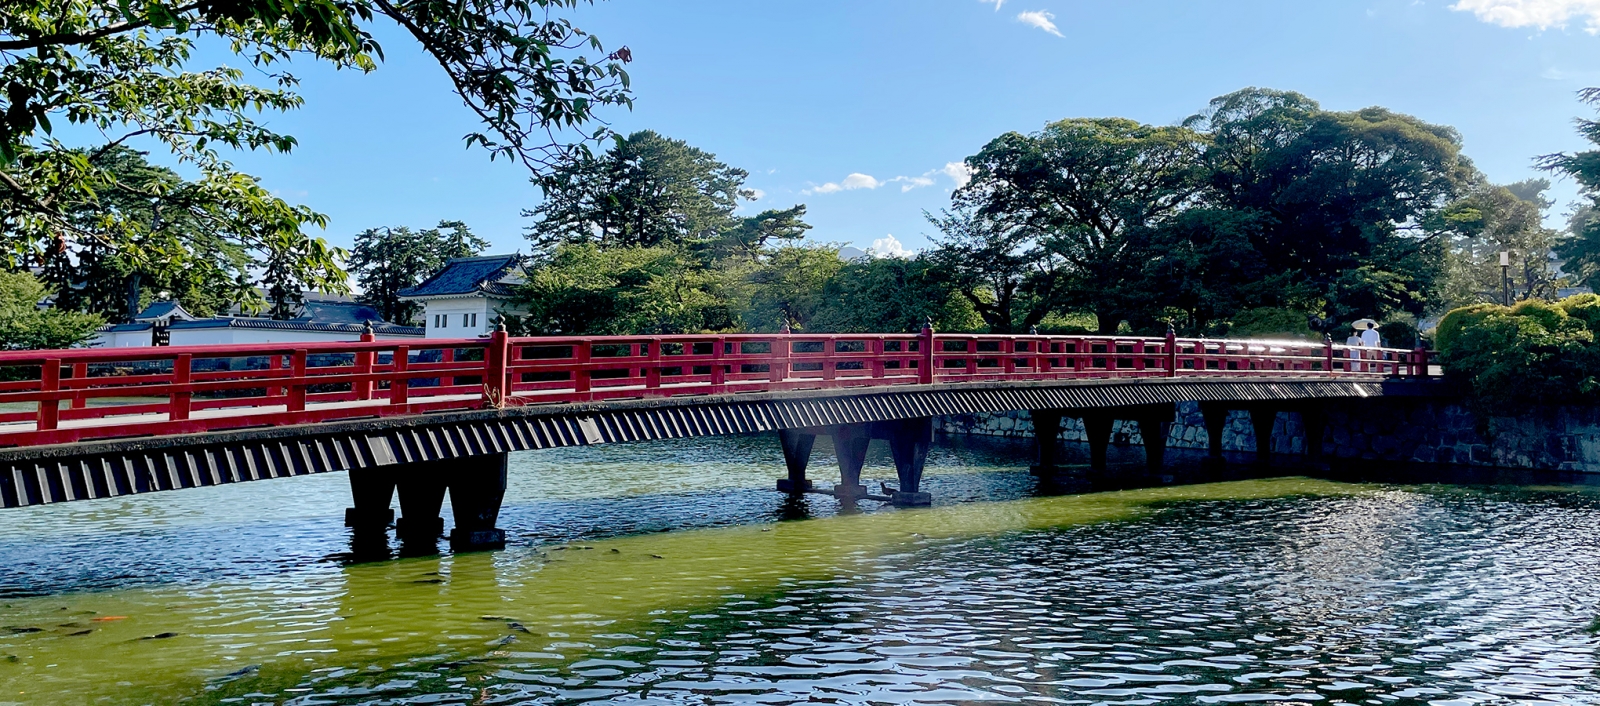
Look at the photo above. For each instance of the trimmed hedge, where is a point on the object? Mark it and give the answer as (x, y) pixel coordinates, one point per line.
(1536, 353)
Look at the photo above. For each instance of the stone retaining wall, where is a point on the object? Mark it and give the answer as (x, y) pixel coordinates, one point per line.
(1391, 429)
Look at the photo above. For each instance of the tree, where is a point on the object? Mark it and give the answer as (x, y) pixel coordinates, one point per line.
(387, 260)
(207, 273)
(24, 325)
(1490, 220)
(1580, 251)
(583, 289)
(892, 294)
(123, 70)
(1007, 272)
(1075, 197)
(646, 190)
(750, 237)
(788, 287)
(1341, 198)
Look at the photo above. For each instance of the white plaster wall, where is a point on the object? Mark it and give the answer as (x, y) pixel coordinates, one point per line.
(121, 339)
(453, 309)
(224, 336)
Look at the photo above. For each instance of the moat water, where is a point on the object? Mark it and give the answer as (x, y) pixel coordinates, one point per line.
(670, 573)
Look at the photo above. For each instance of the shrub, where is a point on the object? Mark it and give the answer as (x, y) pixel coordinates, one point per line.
(1583, 307)
(1514, 359)
(1450, 327)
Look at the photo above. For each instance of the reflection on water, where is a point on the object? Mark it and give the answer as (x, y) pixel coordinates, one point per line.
(1290, 589)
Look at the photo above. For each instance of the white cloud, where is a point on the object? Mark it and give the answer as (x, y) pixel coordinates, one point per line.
(1542, 14)
(958, 172)
(856, 180)
(1045, 20)
(996, 3)
(889, 246)
(908, 183)
(757, 194)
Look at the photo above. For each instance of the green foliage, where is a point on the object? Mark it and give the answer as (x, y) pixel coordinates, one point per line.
(1583, 307)
(23, 325)
(1456, 321)
(1513, 360)
(387, 260)
(789, 287)
(890, 295)
(1335, 195)
(1053, 217)
(1581, 251)
(1490, 220)
(125, 71)
(582, 289)
(646, 190)
(1272, 323)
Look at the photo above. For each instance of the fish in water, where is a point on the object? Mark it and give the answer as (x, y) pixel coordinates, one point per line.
(159, 636)
(23, 629)
(518, 627)
(656, 556)
(428, 581)
(84, 631)
(505, 640)
(499, 618)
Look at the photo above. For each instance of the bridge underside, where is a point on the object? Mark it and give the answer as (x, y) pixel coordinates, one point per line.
(51, 474)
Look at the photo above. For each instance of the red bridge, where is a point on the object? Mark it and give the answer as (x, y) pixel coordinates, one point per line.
(78, 424)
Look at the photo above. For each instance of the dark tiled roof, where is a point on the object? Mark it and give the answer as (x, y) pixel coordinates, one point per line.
(386, 329)
(325, 312)
(463, 275)
(124, 328)
(162, 309)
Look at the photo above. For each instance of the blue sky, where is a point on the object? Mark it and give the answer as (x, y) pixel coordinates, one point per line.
(882, 95)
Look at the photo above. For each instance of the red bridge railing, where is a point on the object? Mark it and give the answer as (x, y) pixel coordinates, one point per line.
(63, 396)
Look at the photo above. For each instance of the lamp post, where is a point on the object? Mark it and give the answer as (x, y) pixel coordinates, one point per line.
(1505, 277)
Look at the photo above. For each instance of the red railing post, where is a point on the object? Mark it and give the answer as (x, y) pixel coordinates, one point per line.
(718, 375)
(49, 383)
(652, 374)
(80, 373)
(778, 369)
(182, 398)
(297, 381)
(1419, 363)
(494, 367)
(275, 364)
(875, 348)
(1172, 351)
(363, 388)
(1327, 352)
(400, 385)
(925, 341)
(447, 355)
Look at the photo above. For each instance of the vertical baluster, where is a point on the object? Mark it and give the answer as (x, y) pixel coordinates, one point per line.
(495, 353)
(363, 366)
(1042, 349)
(275, 365)
(1138, 356)
(875, 348)
(80, 379)
(399, 384)
(830, 347)
(447, 356)
(581, 380)
(50, 385)
(718, 379)
(1008, 363)
(925, 342)
(1172, 351)
(297, 381)
(652, 374)
(778, 369)
(182, 396)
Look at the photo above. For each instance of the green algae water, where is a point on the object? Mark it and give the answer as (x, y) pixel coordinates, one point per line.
(705, 588)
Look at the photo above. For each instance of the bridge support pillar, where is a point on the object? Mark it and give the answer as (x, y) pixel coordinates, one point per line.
(477, 486)
(371, 492)
(1097, 427)
(850, 445)
(1155, 421)
(909, 442)
(421, 488)
(1314, 420)
(1262, 419)
(1216, 418)
(796, 457)
(1046, 438)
